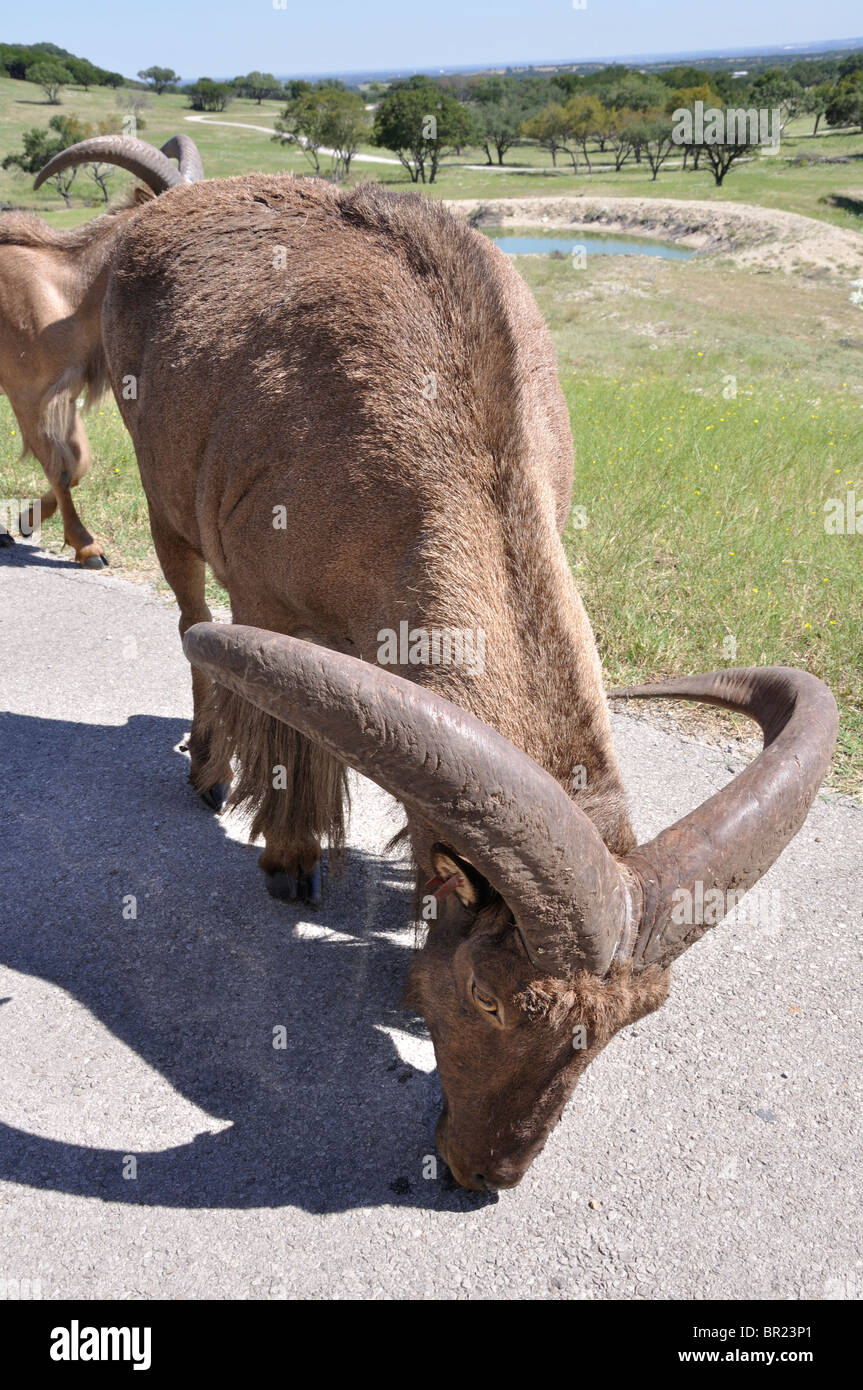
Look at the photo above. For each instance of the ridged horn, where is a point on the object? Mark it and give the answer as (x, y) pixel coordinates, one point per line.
(185, 151)
(141, 159)
(493, 803)
(732, 839)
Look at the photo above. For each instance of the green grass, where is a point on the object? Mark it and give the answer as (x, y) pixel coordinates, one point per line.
(704, 525)
(225, 150)
(705, 511)
(705, 514)
(110, 500)
(832, 192)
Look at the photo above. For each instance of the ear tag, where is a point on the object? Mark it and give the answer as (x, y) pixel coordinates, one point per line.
(442, 887)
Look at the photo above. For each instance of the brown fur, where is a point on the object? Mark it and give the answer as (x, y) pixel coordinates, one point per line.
(26, 229)
(297, 380)
(525, 1057)
(301, 385)
(317, 786)
(51, 288)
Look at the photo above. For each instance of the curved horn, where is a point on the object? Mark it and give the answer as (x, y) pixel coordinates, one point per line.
(733, 838)
(498, 807)
(141, 159)
(185, 151)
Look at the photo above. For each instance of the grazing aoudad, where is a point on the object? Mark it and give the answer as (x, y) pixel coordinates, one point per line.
(51, 288)
(348, 406)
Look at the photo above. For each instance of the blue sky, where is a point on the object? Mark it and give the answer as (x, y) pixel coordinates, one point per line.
(226, 37)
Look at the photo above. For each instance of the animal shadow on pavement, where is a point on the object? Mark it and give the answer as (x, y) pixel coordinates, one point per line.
(198, 981)
(23, 552)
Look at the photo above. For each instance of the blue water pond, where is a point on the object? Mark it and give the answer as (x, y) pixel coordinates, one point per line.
(593, 245)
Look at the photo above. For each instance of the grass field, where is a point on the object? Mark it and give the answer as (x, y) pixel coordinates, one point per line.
(832, 192)
(714, 412)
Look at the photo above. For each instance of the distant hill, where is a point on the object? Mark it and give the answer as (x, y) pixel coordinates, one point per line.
(16, 58)
(757, 57)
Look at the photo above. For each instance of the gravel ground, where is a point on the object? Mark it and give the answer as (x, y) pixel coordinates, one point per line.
(153, 1141)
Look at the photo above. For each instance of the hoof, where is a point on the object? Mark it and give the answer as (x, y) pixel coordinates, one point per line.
(6, 540)
(282, 886)
(95, 562)
(216, 796)
(310, 886)
(288, 887)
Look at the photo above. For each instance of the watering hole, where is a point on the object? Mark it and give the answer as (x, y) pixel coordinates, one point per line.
(532, 243)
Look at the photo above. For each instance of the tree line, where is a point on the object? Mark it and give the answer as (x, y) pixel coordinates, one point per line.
(616, 112)
(53, 68)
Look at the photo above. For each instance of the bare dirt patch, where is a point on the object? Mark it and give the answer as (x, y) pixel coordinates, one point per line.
(751, 236)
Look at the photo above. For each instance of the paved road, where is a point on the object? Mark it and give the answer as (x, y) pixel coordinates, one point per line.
(711, 1151)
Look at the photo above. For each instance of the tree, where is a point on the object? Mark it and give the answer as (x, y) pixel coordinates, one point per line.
(258, 85)
(303, 123)
(684, 99)
(846, 104)
(634, 91)
(16, 58)
(584, 116)
(850, 65)
(419, 123)
(722, 156)
(207, 95)
(159, 79)
(623, 90)
(325, 117)
(84, 73)
(809, 72)
(100, 174)
(654, 132)
(775, 90)
(51, 76)
(549, 128)
(74, 130)
(817, 100)
(622, 127)
(681, 77)
(497, 126)
(500, 106)
(296, 86)
(346, 123)
(606, 126)
(41, 144)
(568, 83)
(39, 147)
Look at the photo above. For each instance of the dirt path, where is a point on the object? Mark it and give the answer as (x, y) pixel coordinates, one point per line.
(268, 130)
